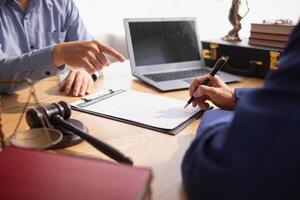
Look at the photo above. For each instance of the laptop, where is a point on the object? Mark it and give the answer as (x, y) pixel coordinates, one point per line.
(166, 52)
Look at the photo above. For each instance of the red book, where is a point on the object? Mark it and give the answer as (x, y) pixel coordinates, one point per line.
(37, 175)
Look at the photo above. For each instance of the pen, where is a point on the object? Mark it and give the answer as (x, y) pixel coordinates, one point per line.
(218, 65)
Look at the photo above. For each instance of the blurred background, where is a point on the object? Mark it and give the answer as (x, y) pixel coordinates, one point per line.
(104, 19)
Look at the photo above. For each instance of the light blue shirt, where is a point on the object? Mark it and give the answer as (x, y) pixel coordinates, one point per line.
(27, 38)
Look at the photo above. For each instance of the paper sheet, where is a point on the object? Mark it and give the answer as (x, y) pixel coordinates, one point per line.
(144, 108)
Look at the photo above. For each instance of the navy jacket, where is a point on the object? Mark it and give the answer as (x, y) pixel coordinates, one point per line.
(254, 151)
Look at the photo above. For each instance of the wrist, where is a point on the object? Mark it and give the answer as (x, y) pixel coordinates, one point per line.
(233, 98)
(57, 55)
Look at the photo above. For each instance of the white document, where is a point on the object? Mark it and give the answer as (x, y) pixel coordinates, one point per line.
(144, 108)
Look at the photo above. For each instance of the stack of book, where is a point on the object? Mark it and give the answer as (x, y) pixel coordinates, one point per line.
(270, 34)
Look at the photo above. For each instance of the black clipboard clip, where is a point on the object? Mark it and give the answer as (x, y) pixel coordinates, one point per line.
(92, 100)
(86, 99)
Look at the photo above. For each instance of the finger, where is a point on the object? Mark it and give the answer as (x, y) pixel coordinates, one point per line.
(103, 59)
(205, 98)
(111, 51)
(62, 85)
(207, 106)
(200, 79)
(197, 100)
(217, 82)
(90, 87)
(108, 63)
(192, 89)
(217, 79)
(205, 90)
(194, 103)
(193, 86)
(93, 48)
(203, 105)
(97, 64)
(196, 82)
(77, 84)
(92, 58)
(198, 92)
(69, 81)
(84, 86)
(88, 66)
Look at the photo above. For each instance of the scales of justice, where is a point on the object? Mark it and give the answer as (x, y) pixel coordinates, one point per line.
(46, 135)
(38, 138)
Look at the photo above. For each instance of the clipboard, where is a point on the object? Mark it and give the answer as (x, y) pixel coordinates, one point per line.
(155, 112)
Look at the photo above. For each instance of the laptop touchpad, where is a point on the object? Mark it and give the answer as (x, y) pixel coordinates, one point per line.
(189, 81)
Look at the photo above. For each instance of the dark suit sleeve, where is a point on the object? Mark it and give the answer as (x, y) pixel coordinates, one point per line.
(241, 92)
(251, 153)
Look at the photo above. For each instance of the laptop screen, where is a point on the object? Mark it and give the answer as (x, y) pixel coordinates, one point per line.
(164, 42)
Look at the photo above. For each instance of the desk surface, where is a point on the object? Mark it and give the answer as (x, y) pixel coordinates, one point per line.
(163, 153)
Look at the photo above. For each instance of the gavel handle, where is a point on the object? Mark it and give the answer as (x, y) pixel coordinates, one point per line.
(101, 146)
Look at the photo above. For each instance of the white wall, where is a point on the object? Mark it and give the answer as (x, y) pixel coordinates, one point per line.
(104, 18)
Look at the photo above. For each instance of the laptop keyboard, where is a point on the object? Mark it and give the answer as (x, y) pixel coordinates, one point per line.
(168, 76)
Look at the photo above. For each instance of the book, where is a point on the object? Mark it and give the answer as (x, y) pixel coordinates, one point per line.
(36, 175)
(267, 43)
(283, 29)
(269, 36)
(142, 109)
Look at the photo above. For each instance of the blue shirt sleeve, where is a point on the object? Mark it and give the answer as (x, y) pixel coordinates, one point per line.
(35, 65)
(17, 60)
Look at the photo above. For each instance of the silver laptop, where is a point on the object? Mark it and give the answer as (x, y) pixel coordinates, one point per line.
(166, 52)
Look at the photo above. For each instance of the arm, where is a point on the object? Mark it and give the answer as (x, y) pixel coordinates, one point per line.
(241, 92)
(41, 63)
(35, 65)
(216, 91)
(76, 30)
(253, 152)
(205, 163)
(230, 149)
(77, 82)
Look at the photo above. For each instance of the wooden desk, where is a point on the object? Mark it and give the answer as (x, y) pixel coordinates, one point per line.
(163, 153)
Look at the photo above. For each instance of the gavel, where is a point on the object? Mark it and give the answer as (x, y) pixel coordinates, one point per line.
(58, 114)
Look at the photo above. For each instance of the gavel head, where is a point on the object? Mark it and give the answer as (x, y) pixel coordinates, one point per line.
(36, 117)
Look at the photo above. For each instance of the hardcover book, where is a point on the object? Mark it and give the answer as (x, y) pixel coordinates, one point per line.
(36, 175)
(283, 29)
(269, 36)
(267, 43)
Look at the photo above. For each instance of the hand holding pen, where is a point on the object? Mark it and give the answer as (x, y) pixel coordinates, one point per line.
(212, 88)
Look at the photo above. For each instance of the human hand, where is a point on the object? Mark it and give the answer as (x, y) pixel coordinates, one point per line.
(79, 83)
(88, 54)
(216, 91)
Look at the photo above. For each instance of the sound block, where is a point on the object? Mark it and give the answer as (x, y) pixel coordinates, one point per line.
(69, 138)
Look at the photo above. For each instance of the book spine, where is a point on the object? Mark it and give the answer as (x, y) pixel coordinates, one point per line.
(267, 43)
(268, 36)
(272, 28)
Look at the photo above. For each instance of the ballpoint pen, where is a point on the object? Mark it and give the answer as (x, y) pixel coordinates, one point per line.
(218, 65)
